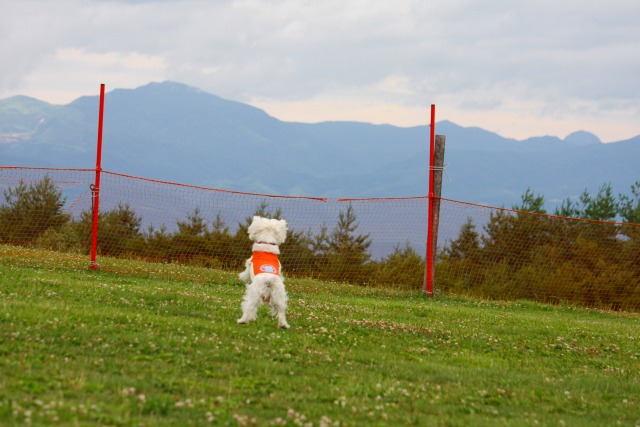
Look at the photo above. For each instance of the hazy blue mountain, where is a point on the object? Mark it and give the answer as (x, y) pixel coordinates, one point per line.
(175, 132)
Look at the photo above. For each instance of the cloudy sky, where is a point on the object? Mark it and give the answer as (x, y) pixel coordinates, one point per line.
(518, 68)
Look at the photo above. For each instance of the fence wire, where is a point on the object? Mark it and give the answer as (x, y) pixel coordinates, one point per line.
(483, 251)
(505, 254)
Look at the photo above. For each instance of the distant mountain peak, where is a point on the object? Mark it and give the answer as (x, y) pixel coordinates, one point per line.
(167, 87)
(582, 138)
(23, 103)
(172, 85)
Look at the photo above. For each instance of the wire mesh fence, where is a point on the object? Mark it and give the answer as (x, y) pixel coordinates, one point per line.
(506, 254)
(360, 241)
(380, 243)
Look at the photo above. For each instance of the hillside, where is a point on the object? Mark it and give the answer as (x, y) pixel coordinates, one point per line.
(175, 132)
(158, 344)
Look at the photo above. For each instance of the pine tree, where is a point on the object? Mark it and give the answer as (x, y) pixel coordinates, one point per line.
(531, 203)
(602, 207)
(343, 239)
(467, 244)
(629, 207)
(297, 253)
(513, 238)
(568, 209)
(220, 242)
(30, 211)
(219, 227)
(189, 242)
(116, 229)
(194, 226)
(404, 268)
(630, 212)
(347, 251)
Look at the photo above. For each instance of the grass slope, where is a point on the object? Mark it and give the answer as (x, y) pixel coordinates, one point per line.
(158, 345)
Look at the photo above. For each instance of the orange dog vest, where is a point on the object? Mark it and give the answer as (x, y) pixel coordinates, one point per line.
(265, 262)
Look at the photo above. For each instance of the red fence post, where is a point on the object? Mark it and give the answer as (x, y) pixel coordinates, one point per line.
(95, 190)
(428, 274)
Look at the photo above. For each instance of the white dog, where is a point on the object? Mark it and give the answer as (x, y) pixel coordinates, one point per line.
(265, 283)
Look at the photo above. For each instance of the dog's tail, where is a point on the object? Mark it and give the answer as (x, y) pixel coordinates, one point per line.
(266, 279)
(270, 280)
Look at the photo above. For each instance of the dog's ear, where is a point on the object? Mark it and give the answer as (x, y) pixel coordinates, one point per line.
(253, 226)
(281, 230)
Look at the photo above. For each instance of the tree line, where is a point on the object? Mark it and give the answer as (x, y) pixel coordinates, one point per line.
(521, 253)
(526, 254)
(34, 216)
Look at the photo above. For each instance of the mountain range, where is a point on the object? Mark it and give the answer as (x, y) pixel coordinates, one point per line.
(175, 132)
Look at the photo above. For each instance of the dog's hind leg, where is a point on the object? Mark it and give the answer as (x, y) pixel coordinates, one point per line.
(250, 305)
(279, 307)
(282, 317)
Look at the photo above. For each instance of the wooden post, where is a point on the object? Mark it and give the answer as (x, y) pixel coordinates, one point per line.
(438, 168)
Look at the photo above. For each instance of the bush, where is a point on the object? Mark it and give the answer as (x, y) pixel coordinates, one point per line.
(30, 211)
(404, 268)
(61, 239)
(116, 228)
(523, 254)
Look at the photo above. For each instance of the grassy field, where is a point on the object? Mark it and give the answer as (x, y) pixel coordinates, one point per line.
(145, 344)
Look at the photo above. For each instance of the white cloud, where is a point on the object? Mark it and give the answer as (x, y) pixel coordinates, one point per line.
(545, 67)
(72, 73)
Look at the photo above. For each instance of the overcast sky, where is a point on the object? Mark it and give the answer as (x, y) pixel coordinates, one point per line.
(518, 68)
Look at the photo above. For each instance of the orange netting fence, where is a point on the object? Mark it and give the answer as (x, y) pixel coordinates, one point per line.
(506, 254)
(483, 251)
(360, 241)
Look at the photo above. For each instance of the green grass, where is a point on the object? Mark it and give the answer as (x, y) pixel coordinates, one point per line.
(146, 344)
